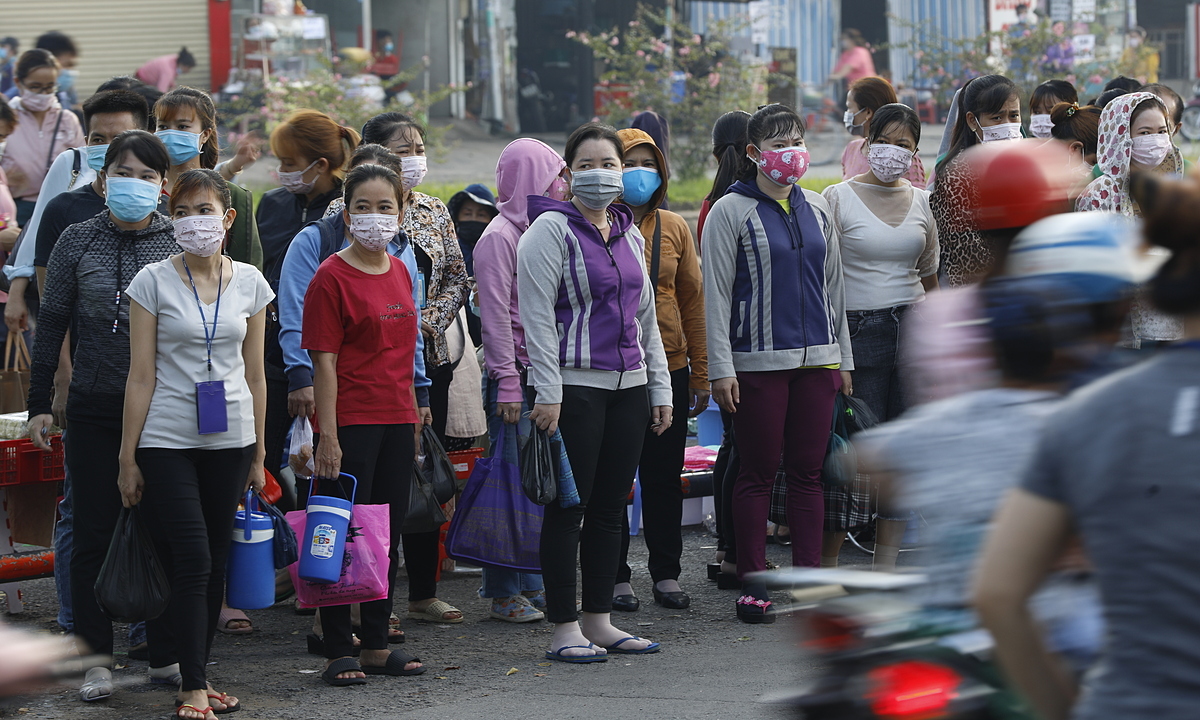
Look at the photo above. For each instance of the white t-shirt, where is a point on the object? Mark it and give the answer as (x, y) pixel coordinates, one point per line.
(181, 358)
(886, 248)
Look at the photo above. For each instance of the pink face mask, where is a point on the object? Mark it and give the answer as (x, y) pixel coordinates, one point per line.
(558, 189)
(784, 166)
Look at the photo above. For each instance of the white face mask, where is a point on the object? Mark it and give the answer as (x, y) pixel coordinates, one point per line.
(888, 162)
(200, 235)
(1149, 151)
(37, 102)
(1040, 125)
(294, 182)
(1003, 131)
(374, 231)
(413, 169)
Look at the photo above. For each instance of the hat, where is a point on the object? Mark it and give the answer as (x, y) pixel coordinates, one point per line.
(480, 194)
(1019, 182)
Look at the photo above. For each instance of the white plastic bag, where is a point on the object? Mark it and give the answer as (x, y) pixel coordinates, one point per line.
(300, 452)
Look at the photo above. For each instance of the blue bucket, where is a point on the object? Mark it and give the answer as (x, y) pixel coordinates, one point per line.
(324, 541)
(251, 572)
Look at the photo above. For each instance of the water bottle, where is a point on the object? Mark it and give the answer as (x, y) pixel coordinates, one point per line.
(251, 571)
(326, 522)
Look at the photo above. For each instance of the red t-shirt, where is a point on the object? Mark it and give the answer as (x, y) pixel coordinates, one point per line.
(370, 322)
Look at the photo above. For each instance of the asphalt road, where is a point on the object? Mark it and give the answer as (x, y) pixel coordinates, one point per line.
(711, 665)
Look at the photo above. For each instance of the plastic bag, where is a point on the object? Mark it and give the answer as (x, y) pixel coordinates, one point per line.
(424, 511)
(287, 550)
(132, 585)
(300, 451)
(841, 461)
(439, 471)
(495, 524)
(539, 467)
(365, 563)
(856, 413)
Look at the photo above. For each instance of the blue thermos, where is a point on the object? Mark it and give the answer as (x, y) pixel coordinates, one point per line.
(324, 541)
(251, 575)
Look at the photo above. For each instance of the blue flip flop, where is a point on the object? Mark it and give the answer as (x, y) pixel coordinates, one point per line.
(616, 647)
(557, 655)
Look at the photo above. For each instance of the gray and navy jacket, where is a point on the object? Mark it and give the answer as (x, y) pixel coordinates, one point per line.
(587, 306)
(773, 284)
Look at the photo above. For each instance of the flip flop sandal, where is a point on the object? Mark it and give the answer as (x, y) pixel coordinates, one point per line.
(395, 665)
(223, 698)
(616, 647)
(229, 615)
(436, 612)
(96, 685)
(340, 666)
(576, 659)
(187, 706)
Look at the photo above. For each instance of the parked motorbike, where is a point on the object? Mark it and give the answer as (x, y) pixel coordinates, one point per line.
(1190, 125)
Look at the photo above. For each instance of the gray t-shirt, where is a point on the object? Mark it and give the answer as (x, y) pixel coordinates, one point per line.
(1123, 455)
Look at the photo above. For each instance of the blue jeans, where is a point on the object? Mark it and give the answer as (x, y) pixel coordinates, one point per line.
(497, 582)
(63, 540)
(878, 364)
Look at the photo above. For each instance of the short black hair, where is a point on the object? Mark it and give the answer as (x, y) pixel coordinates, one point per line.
(7, 114)
(769, 121)
(380, 129)
(1109, 95)
(58, 43)
(185, 59)
(145, 146)
(200, 179)
(1169, 97)
(10, 41)
(891, 115)
(375, 154)
(1121, 82)
(592, 131)
(1062, 90)
(367, 173)
(116, 101)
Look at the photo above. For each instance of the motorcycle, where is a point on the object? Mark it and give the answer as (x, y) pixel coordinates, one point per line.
(885, 657)
(1190, 125)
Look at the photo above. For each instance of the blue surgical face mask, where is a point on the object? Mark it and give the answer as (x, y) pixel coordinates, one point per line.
(640, 185)
(95, 156)
(130, 199)
(181, 144)
(66, 80)
(388, 48)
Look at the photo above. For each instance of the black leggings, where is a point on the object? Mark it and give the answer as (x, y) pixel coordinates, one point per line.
(603, 431)
(92, 454)
(188, 503)
(381, 458)
(662, 491)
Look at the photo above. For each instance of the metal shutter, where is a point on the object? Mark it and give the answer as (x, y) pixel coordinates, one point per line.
(115, 37)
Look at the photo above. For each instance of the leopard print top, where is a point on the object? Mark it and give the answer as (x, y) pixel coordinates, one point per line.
(965, 257)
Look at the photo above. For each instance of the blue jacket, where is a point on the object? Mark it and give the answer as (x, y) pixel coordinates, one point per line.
(304, 255)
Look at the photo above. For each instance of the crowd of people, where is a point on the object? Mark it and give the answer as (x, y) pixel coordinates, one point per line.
(178, 334)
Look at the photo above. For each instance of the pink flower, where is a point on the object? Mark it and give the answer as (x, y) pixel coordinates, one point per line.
(697, 39)
(570, 33)
(615, 41)
(634, 23)
(714, 79)
(685, 50)
(641, 53)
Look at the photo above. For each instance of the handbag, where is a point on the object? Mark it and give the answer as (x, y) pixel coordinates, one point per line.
(287, 550)
(365, 563)
(439, 471)
(132, 585)
(539, 467)
(495, 524)
(425, 513)
(14, 377)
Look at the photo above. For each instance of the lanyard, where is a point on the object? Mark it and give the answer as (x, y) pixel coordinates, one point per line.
(208, 337)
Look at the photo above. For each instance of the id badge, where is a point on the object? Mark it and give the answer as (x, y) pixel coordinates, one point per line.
(421, 288)
(211, 413)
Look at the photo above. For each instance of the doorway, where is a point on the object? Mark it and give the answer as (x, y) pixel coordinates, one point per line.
(869, 17)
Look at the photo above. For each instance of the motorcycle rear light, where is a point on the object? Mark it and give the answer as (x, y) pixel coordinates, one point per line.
(825, 632)
(912, 689)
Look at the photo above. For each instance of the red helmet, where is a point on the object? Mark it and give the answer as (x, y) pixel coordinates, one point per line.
(1019, 182)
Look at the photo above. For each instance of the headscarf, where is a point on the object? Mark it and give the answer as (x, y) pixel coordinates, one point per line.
(1110, 191)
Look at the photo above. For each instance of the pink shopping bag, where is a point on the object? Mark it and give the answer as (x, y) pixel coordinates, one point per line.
(364, 566)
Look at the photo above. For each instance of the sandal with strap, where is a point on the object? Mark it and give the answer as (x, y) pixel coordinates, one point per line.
(206, 711)
(395, 665)
(339, 666)
(436, 612)
(595, 657)
(224, 699)
(754, 610)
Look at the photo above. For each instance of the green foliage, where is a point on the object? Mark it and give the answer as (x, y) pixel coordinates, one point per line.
(689, 80)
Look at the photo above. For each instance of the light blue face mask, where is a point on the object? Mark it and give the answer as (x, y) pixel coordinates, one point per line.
(640, 185)
(181, 144)
(130, 199)
(95, 156)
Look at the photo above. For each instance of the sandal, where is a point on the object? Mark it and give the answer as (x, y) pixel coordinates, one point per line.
(97, 685)
(616, 648)
(224, 699)
(339, 666)
(754, 610)
(436, 612)
(187, 706)
(230, 615)
(595, 657)
(395, 665)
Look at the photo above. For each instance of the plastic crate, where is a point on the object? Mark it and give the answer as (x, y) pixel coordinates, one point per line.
(36, 465)
(10, 455)
(464, 461)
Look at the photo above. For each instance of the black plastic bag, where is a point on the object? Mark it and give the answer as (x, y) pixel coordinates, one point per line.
(841, 461)
(132, 585)
(424, 511)
(539, 467)
(286, 548)
(439, 471)
(856, 413)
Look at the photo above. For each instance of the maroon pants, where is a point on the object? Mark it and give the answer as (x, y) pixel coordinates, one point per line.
(784, 413)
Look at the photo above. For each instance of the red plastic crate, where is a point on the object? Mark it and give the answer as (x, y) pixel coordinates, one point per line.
(40, 466)
(10, 454)
(464, 461)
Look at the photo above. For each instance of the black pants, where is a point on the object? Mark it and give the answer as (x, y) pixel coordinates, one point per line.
(188, 503)
(662, 491)
(93, 458)
(381, 458)
(279, 420)
(725, 472)
(421, 549)
(603, 431)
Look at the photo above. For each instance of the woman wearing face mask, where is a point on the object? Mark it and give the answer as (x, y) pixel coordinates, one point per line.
(1134, 136)
(729, 142)
(863, 100)
(599, 372)
(90, 266)
(44, 129)
(1079, 128)
(472, 209)
(187, 124)
(889, 251)
(989, 111)
(679, 306)
(195, 410)
(774, 357)
(1042, 102)
(361, 328)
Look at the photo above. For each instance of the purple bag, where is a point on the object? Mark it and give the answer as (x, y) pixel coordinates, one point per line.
(364, 565)
(495, 524)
